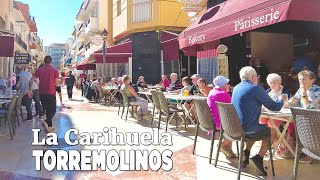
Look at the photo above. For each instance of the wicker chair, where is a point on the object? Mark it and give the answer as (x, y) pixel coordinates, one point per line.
(9, 116)
(126, 103)
(232, 130)
(168, 110)
(156, 104)
(307, 123)
(18, 108)
(205, 122)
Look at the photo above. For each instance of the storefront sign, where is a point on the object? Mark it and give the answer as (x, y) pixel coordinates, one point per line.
(23, 58)
(250, 22)
(197, 39)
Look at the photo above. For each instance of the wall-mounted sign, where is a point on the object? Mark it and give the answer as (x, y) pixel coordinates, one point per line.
(222, 48)
(22, 58)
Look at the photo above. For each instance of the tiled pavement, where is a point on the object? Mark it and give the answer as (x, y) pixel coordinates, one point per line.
(16, 161)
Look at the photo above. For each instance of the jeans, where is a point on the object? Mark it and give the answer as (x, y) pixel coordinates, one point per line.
(143, 104)
(69, 90)
(49, 104)
(26, 101)
(36, 99)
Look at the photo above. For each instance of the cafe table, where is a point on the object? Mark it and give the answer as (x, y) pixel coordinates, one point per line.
(147, 94)
(6, 96)
(180, 99)
(284, 115)
(113, 91)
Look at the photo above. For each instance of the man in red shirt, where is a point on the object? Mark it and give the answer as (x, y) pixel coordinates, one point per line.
(82, 76)
(48, 81)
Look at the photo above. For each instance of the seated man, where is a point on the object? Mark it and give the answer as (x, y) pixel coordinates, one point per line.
(175, 84)
(248, 99)
(204, 88)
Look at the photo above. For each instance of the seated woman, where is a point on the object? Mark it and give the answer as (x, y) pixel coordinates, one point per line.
(307, 96)
(141, 82)
(275, 91)
(220, 94)
(134, 97)
(164, 83)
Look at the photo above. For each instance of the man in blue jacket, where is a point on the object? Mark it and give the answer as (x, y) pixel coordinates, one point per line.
(248, 99)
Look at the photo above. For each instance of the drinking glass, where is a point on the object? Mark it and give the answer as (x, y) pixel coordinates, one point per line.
(286, 96)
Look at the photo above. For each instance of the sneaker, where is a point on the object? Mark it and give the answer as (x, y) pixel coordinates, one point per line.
(258, 161)
(246, 154)
(137, 116)
(306, 160)
(227, 152)
(51, 130)
(45, 127)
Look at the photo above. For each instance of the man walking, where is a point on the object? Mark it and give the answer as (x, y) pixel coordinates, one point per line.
(49, 80)
(70, 80)
(36, 97)
(25, 90)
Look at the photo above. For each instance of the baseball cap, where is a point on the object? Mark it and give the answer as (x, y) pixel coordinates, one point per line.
(195, 76)
(220, 81)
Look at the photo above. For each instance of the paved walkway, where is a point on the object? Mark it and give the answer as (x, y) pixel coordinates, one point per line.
(16, 161)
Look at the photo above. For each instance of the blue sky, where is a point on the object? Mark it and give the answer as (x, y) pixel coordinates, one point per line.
(54, 18)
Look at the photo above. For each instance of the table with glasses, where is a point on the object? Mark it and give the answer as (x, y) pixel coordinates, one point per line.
(284, 115)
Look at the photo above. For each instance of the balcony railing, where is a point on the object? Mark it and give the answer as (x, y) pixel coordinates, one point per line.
(141, 12)
(20, 42)
(80, 27)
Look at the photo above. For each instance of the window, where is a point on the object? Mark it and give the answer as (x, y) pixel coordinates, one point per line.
(118, 7)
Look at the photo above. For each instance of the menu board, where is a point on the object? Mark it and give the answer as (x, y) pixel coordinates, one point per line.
(223, 66)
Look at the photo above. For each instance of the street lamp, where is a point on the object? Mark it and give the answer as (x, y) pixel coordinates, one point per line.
(104, 34)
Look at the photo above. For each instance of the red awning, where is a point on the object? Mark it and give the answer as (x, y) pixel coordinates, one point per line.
(87, 67)
(234, 16)
(115, 54)
(170, 45)
(6, 45)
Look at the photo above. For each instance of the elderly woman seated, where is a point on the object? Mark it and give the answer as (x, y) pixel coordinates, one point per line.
(275, 91)
(307, 96)
(134, 97)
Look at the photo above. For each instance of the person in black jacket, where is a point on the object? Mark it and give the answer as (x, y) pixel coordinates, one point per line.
(70, 81)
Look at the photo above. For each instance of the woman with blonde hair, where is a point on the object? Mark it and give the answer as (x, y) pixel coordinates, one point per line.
(134, 97)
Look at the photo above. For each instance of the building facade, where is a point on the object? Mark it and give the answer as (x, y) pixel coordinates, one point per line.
(153, 27)
(16, 21)
(93, 17)
(56, 51)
